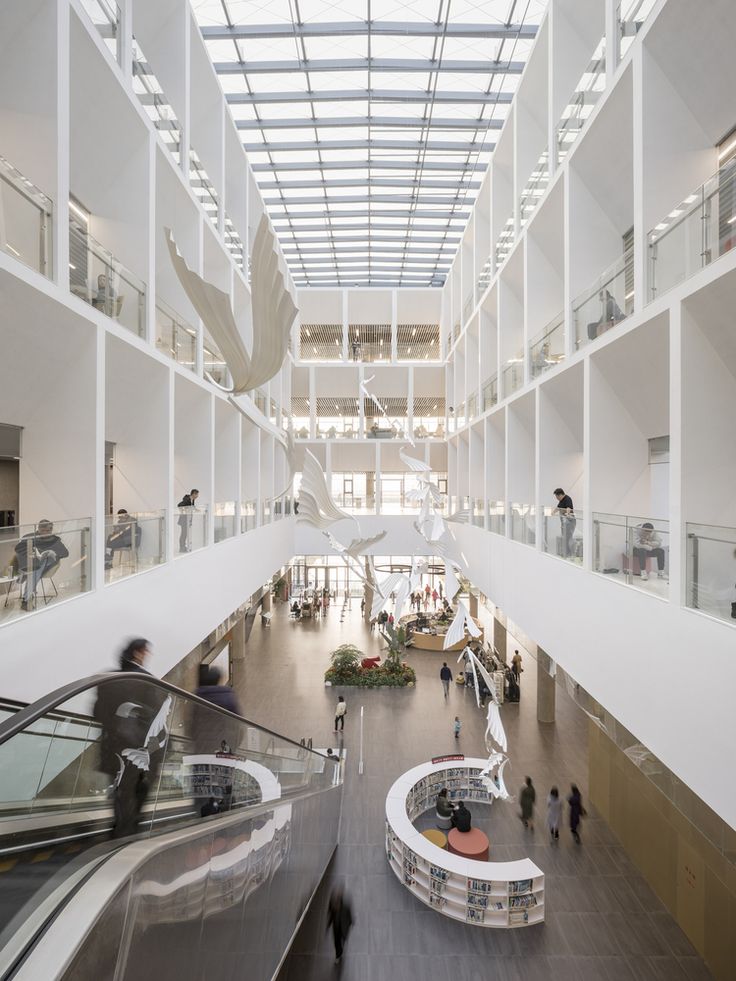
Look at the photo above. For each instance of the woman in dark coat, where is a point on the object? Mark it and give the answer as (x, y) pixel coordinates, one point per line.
(577, 811)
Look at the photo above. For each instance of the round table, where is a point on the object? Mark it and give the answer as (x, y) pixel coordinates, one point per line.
(469, 844)
(436, 837)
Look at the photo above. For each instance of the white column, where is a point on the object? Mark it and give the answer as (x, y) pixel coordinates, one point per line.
(394, 322)
(345, 325)
(60, 226)
(539, 521)
(312, 404)
(678, 565)
(125, 40)
(640, 236)
(612, 41)
(97, 577)
(150, 306)
(588, 369)
(172, 514)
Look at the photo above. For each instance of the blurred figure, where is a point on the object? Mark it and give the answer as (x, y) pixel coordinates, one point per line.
(554, 813)
(211, 689)
(133, 717)
(527, 799)
(210, 808)
(340, 918)
(210, 729)
(577, 811)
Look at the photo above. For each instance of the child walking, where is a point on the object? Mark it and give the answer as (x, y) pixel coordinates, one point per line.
(457, 726)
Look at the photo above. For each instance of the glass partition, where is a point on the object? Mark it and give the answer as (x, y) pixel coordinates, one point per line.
(43, 564)
(133, 543)
(399, 493)
(607, 302)
(633, 550)
(563, 534)
(695, 233)
(174, 337)
(505, 242)
(105, 15)
(151, 96)
(355, 491)
(512, 374)
(104, 282)
(203, 188)
(631, 14)
(192, 526)
(234, 244)
(490, 392)
(460, 416)
(25, 219)
(429, 417)
(548, 347)
(248, 515)
(128, 757)
(266, 511)
(711, 570)
(587, 92)
(478, 515)
(472, 407)
(225, 520)
(484, 280)
(214, 365)
(534, 188)
(497, 517)
(260, 400)
(523, 523)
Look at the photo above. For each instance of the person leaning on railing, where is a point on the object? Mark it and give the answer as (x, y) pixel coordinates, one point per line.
(38, 554)
(610, 314)
(185, 518)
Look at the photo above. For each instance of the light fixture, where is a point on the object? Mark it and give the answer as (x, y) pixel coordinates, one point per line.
(78, 211)
(14, 251)
(729, 149)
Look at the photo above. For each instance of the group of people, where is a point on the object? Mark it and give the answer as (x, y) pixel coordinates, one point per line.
(528, 799)
(422, 598)
(458, 814)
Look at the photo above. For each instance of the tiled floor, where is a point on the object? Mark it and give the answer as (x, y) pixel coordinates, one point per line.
(602, 920)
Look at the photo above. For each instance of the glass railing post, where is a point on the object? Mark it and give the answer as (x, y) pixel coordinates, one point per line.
(705, 209)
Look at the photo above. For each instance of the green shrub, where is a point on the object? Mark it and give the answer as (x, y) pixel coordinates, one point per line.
(389, 675)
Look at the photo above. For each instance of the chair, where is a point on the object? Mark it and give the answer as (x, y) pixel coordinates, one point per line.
(442, 822)
(49, 574)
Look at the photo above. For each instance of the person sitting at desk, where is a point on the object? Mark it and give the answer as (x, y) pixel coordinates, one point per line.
(125, 534)
(610, 315)
(38, 554)
(461, 817)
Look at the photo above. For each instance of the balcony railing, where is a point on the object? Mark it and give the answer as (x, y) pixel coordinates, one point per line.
(505, 242)
(151, 96)
(632, 550)
(548, 348)
(607, 302)
(104, 282)
(134, 542)
(711, 579)
(203, 188)
(587, 92)
(234, 244)
(43, 564)
(472, 406)
(534, 189)
(496, 517)
(105, 15)
(225, 520)
(563, 534)
(490, 392)
(192, 528)
(523, 519)
(467, 308)
(174, 337)
(214, 365)
(25, 228)
(248, 511)
(478, 512)
(512, 374)
(484, 280)
(698, 231)
(631, 15)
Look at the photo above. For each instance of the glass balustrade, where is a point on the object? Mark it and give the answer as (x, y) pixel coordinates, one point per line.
(478, 513)
(214, 366)
(496, 517)
(234, 244)
(548, 347)
(490, 393)
(630, 16)
(260, 400)
(472, 407)
(522, 519)
(695, 233)
(134, 542)
(203, 188)
(192, 530)
(607, 302)
(484, 280)
(505, 242)
(266, 512)
(467, 308)
(534, 188)
(460, 416)
(587, 92)
(225, 520)
(338, 427)
(248, 510)
(512, 374)
(175, 337)
(563, 534)
(711, 570)
(25, 219)
(632, 550)
(105, 15)
(43, 564)
(104, 282)
(157, 107)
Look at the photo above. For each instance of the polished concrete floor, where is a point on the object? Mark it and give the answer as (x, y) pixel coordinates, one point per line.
(602, 920)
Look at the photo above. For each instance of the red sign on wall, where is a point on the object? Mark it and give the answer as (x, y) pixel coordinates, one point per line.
(448, 759)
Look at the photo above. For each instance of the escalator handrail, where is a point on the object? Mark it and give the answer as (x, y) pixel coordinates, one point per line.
(48, 703)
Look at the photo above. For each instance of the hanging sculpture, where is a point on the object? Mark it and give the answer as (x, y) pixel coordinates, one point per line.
(272, 307)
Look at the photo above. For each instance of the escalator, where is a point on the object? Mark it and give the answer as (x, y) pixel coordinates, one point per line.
(145, 833)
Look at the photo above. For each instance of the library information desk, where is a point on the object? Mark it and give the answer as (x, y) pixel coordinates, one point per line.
(490, 894)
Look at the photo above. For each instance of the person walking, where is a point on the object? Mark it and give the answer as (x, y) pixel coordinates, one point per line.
(340, 712)
(554, 813)
(457, 726)
(435, 597)
(446, 677)
(527, 798)
(340, 918)
(577, 811)
(516, 666)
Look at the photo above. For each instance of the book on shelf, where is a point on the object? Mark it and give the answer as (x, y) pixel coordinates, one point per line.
(518, 916)
(436, 886)
(409, 880)
(479, 885)
(477, 901)
(435, 899)
(519, 886)
(438, 873)
(475, 915)
(522, 902)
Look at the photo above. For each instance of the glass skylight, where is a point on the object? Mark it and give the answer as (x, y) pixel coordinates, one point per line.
(369, 139)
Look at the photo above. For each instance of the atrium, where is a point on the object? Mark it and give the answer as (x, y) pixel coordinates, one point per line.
(364, 385)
